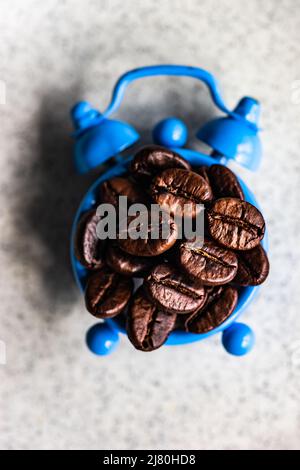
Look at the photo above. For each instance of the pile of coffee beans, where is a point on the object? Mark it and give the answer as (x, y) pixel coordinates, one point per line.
(183, 285)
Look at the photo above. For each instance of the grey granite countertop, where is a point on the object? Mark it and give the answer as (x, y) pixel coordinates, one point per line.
(53, 392)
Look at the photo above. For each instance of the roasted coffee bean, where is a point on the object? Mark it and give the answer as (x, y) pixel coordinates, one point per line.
(224, 183)
(210, 263)
(253, 267)
(112, 189)
(126, 264)
(89, 250)
(174, 292)
(148, 327)
(235, 224)
(107, 293)
(219, 305)
(152, 160)
(149, 245)
(175, 187)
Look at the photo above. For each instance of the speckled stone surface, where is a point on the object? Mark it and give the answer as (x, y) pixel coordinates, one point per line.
(53, 392)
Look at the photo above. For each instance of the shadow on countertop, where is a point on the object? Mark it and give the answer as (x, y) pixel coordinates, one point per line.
(52, 191)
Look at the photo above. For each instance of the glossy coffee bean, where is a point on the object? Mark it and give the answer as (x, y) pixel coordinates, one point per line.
(107, 293)
(219, 305)
(112, 189)
(148, 327)
(174, 292)
(152, 160)
(89, 250)
(235, 224)
(253, 267)
(210, 263)
(150, 246)
(224, 183)
(175, 187)
(126, 264)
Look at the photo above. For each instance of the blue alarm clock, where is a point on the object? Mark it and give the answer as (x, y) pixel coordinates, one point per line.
(232, 136)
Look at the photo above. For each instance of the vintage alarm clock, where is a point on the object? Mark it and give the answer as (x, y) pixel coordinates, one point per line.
(232, 136)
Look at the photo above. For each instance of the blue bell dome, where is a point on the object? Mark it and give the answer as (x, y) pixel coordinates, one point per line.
(98, 138)
(236, 136)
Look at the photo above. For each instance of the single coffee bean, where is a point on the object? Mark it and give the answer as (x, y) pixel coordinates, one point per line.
(152, 160)
(89, 250)
(174, 292)
(175, 188)
(156, 238)
(107, 293)
(126, 264)
(210, 263)
(224, 183)
(148, 327)
(253, 267)
(219, 305)
(112, 189)
(235, 224)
